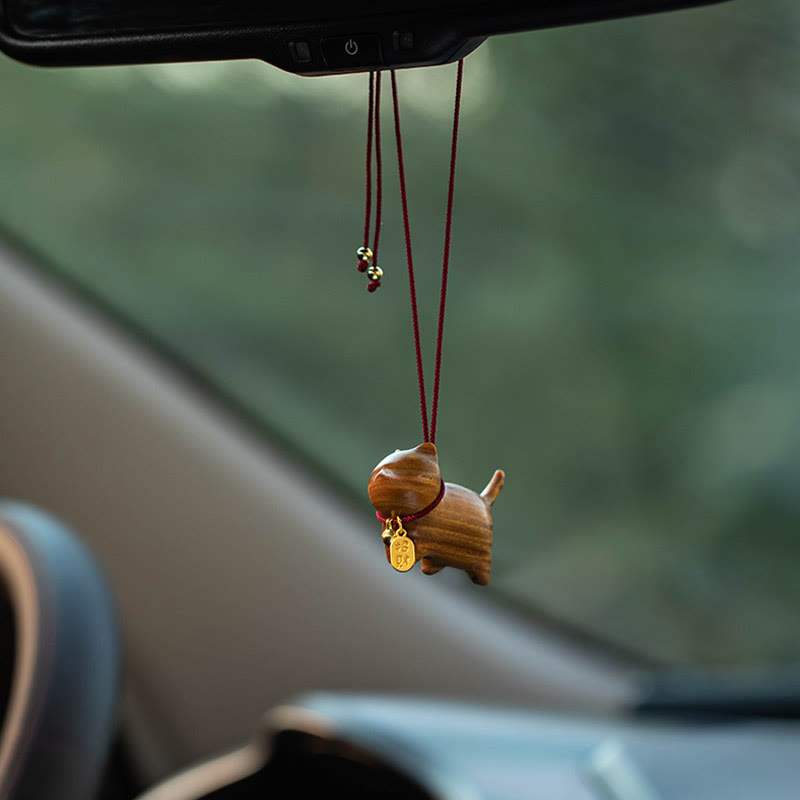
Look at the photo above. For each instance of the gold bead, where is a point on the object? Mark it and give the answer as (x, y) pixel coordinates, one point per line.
(375, 273)
(364, 253)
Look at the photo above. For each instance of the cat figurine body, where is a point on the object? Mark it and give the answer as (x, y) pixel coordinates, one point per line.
(457, 532)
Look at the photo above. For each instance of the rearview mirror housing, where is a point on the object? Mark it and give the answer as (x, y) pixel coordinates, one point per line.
(356, 36)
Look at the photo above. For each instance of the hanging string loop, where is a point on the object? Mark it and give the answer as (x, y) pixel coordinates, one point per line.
(428, 430)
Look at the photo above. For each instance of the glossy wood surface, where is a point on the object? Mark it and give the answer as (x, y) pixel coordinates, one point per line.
(458, 532)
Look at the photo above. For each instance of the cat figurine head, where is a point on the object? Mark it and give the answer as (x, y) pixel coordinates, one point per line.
(406, 481)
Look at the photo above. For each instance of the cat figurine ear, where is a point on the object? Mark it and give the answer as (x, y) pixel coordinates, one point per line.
(448, 525)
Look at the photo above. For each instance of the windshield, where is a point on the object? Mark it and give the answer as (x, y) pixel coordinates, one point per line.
(624, 304)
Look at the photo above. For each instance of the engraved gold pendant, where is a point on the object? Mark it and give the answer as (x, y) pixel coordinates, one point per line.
(402, 555)
(401, 552)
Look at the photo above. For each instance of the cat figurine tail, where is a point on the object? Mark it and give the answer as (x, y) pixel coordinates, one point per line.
(494, 487)
(456, 531)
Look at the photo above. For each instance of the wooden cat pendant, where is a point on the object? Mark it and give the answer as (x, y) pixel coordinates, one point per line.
(440, 524)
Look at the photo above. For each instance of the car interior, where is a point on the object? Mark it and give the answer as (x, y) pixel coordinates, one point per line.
(195, 387)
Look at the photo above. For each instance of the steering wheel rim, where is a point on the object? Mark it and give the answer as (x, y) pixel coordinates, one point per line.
(64, 682)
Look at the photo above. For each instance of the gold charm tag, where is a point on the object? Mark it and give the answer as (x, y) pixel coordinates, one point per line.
(401, 551)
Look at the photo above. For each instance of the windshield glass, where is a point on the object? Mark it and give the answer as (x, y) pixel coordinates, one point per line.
(624, 304)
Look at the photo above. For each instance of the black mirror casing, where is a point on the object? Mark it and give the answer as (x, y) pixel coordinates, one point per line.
(362, 36)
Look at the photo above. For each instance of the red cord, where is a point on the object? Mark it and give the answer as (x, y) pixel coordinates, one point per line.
(445, 259)
(370, 118)
(368, 258)
(378, 169)
(409, 258)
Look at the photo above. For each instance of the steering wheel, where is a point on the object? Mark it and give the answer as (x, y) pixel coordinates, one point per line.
(58, 661)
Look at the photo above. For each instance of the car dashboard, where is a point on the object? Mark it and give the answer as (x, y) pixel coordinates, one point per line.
(367, 746)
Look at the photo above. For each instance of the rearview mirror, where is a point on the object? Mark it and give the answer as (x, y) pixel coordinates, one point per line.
(355, 36)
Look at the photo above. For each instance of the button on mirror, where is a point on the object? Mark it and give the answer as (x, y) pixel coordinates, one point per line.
(362, 50)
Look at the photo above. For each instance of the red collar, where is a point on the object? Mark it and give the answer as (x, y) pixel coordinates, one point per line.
(419, 514)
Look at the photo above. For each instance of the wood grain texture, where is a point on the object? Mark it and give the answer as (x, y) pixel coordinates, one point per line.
(458, 532)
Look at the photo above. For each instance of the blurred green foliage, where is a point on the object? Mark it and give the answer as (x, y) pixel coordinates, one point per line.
(624, 310)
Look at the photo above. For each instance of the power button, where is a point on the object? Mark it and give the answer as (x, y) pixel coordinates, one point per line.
(362, 50)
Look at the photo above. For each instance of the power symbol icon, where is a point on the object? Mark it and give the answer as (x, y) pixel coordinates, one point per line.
(351, 47)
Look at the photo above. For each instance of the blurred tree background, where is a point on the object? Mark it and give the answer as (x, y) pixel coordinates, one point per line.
(624, 310)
